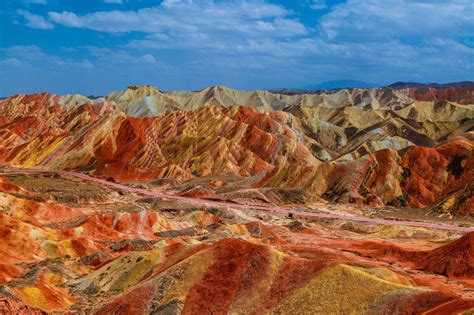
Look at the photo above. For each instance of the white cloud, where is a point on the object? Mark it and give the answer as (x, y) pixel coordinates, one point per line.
(318, 5)
(12, 62)
(32, 55)
(113, 1)
(24, 52)
(36, 1)
(170, 3)
(66, 18)
(148, 59)
(109, 58)
(375, 20)
(260, 43)
(81, 64)
(35, 21)
(174, 16)
(200, 25)
(86, 64)
(360, 34)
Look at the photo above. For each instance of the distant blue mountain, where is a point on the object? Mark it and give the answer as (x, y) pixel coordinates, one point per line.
(340, 84)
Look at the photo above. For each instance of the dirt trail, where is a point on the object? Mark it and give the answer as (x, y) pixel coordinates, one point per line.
(280, 210)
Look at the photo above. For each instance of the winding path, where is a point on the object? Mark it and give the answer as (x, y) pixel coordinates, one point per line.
(280, 210)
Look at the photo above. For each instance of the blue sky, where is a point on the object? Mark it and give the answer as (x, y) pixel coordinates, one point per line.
(97, 46)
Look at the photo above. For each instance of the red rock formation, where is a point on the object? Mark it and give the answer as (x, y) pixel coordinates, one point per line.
(273, 149)
(433, 173)
(13, 306)
(455, 259)
(463, 95)
(148, 260)
(108, 251)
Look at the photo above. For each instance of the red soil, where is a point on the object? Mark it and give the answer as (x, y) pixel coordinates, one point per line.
(127, 303)
(13, 306)
(238, 264)
(8, 187)
(455, 259)
(436, 172)
(425, 303)
(459, 95)
(293, 274)
(198, 192)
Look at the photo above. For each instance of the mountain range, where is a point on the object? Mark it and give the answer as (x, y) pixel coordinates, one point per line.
(356, 200)
(267, 139)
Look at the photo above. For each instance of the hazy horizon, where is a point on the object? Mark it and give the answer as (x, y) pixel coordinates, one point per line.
(199, 89)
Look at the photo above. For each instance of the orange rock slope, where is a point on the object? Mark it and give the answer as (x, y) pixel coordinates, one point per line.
(78, 246)
(463, 95)
(350, 155)
(127, 254)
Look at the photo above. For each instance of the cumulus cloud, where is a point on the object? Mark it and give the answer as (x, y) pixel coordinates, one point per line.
(66, 18)
(190, 17)
(413, 36)
(260, 43)
(375, 20)
(205, 26)
(36, 1)
(318, 5)
(107, 58)
(24, 52)
(82, 64)
(370, 33)
(35, 21)
(148, 59)
(27, 55)
(11, 62)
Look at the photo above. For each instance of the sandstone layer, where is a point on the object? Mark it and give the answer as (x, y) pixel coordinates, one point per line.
(238, 202)
(372, 146)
